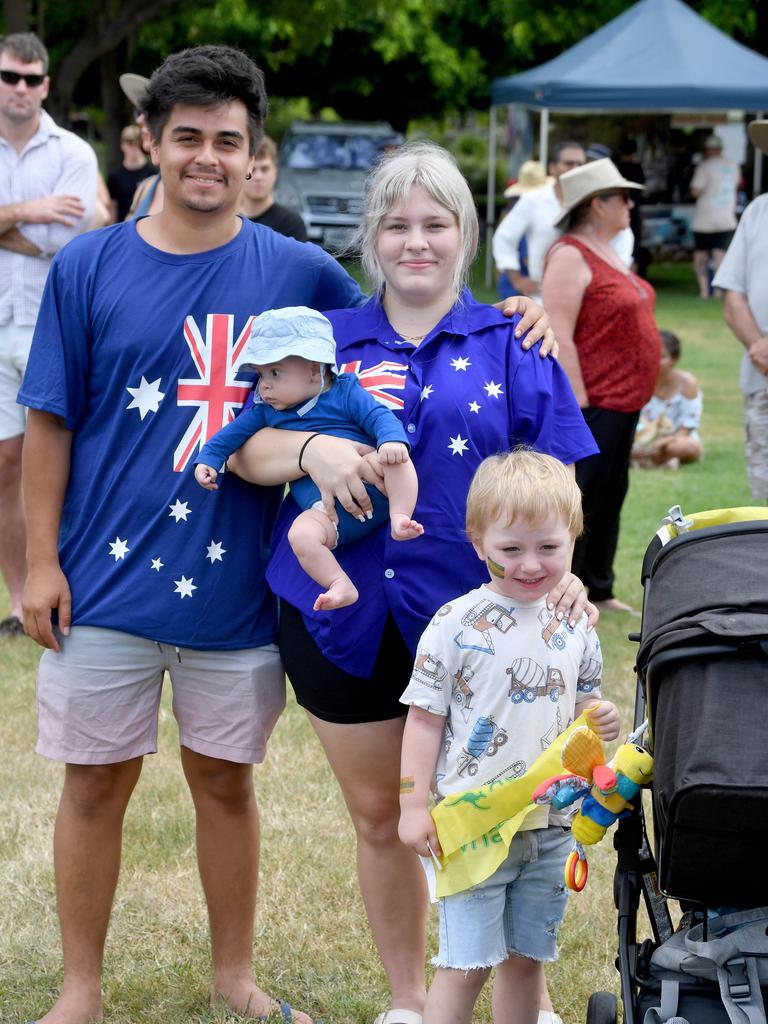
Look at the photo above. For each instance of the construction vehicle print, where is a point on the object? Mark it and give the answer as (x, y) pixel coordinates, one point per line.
(528, 680)
(589, 676)
(484, 741)
(462, 693)
(431, 670)
(550, 633)
(481, 619)
(447, 735)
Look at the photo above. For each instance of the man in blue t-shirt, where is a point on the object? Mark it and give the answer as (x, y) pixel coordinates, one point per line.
(132, 369)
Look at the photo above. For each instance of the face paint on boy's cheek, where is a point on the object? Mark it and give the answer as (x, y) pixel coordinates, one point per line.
(495, 569)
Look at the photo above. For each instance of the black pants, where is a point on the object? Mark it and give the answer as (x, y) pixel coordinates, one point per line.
(330, 693)
(603, 480)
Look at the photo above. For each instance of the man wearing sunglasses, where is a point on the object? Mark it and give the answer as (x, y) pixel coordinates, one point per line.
(47, 196)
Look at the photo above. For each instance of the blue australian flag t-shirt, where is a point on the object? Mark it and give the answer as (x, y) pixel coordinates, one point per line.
(135, 350)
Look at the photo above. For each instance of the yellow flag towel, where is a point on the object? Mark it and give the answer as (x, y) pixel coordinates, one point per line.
(476, 826)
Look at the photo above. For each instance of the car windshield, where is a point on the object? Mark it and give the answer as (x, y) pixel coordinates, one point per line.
(347, 152)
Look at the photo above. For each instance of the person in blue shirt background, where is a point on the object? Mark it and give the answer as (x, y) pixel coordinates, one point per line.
(294, 353)
(452, 370)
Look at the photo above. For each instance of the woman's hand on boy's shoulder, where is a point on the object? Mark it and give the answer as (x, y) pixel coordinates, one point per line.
(534, 321)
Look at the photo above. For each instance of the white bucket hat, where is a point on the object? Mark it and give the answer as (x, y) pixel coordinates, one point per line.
(583, 183)
(292, 331)
(758, 134)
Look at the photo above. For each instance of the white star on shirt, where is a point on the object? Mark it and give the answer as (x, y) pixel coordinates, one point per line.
(179, 510)
(146, 397)
(184, 587)
(461, 363)
(474, 407)
(118, 548)
(458, 445)
(157, 565)
(215, 551)
(493, 390)
(426, 392)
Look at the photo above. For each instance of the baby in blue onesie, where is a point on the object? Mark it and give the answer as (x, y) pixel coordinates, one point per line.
(294, 353)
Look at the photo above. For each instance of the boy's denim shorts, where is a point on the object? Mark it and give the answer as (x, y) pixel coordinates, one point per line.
(517, 910)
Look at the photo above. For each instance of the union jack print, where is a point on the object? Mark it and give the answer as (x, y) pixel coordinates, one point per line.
(380, 380)
(216, 391)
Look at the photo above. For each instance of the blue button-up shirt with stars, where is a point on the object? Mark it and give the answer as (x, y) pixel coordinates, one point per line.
(467, 391)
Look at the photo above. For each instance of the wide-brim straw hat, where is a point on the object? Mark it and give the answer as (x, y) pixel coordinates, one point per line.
(134, 87)
(758, 134)
(583, 183)
(531, 178)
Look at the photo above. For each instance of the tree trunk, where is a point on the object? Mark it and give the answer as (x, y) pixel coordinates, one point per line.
(97, 39)
(111, 65)
(16, 16)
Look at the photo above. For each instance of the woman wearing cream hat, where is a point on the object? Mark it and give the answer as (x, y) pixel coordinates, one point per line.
(610, 349)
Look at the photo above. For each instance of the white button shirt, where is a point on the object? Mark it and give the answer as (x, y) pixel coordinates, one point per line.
(53, 162)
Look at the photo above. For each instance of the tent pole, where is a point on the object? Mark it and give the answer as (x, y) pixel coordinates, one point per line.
(757, 167)
(544, 137)
(490, 208)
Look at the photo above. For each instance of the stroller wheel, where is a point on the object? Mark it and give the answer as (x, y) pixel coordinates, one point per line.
(601, 1008)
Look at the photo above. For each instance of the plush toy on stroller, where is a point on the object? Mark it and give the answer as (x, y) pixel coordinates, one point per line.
(702, 672)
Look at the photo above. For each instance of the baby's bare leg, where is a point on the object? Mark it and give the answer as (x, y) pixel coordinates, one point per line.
(312, 537)
(402, 491)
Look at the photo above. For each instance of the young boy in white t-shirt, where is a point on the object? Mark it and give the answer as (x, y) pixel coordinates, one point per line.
(497, 677)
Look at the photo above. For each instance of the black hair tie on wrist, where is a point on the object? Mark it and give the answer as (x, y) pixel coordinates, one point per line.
(303, 449)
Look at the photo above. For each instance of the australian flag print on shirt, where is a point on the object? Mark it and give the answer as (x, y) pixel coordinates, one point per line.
(135, 350)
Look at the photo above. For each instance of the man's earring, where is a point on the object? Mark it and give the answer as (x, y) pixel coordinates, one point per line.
(248, 176)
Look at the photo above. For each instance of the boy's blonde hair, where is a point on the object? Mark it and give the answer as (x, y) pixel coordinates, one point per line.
(522, 484)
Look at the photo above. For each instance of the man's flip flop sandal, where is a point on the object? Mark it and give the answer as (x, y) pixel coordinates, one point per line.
(285, 1012)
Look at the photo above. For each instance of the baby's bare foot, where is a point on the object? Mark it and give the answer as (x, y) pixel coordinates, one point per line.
(340, 594)
(404, 528)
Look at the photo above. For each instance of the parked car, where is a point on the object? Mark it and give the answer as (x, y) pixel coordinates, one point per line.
(322, 173)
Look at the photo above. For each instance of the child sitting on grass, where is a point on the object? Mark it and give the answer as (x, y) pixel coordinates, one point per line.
(294, 352)
(668, 429)
(493, 685)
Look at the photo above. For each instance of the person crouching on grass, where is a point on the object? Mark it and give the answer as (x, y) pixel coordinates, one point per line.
(523, 516)
(294, 353)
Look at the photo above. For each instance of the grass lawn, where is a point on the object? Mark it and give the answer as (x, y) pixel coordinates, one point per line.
(312, 945)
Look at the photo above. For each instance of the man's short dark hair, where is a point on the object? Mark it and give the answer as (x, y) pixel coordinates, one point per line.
(206, 76)
(557, 151)
(26, 47)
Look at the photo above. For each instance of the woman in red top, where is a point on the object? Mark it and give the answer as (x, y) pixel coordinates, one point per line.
(610, 348)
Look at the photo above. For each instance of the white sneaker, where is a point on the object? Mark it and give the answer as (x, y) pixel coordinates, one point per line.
(549, 1017)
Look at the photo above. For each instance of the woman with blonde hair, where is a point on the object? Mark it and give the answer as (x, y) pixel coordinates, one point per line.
(455, 373)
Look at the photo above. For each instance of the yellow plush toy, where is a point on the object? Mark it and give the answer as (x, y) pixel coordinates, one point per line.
(607, 790)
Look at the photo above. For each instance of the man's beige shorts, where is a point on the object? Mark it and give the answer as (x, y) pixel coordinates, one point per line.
(756, 443)
(98, 699)
(14, 351)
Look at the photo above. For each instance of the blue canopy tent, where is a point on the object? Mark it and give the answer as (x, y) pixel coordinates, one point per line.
(658, 55)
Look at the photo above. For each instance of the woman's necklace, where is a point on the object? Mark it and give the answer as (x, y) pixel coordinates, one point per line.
(605, 251)
(608, 254)
(412, 337)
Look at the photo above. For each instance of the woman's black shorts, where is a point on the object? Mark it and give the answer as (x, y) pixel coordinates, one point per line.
(333, 695)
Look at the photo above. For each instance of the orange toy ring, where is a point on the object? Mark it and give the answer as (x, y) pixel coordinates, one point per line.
(576, 871)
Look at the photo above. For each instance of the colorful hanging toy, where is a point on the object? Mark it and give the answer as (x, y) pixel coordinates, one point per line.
(607, 790)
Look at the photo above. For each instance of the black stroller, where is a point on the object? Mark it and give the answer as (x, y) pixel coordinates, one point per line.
(702, 671)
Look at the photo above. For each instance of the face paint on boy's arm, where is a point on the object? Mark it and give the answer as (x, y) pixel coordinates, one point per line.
(495, 569)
